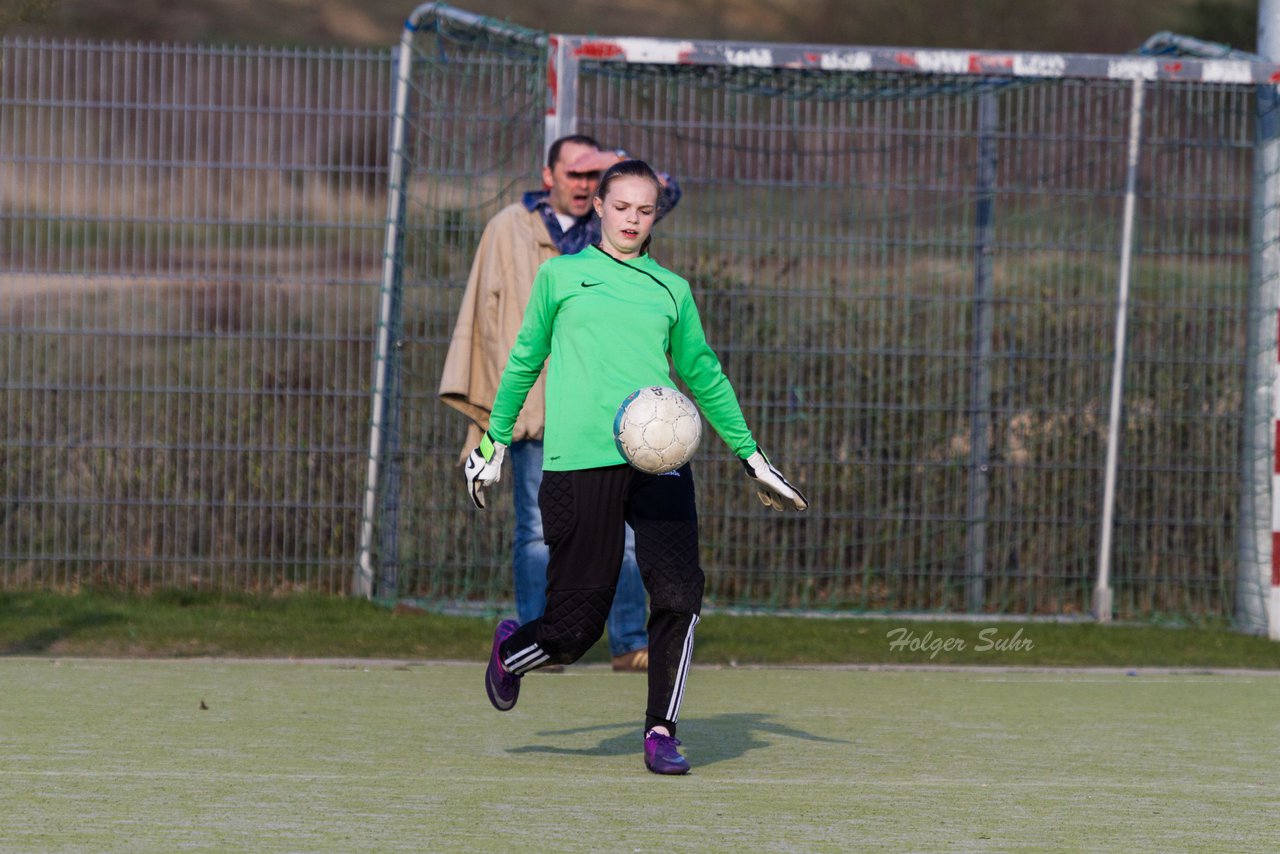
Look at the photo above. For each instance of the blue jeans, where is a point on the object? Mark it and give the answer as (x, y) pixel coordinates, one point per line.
(529, 555)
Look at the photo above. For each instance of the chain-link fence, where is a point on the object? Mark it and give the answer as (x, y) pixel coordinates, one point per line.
(911, 279)
(188, 284)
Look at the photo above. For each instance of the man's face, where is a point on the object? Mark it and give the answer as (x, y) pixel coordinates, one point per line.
(571, 191)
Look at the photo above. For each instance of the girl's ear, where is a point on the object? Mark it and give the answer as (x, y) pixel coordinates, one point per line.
(598, 205)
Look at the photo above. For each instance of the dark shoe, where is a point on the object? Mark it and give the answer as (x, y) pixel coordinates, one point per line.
(661, 756)
(636, 661)
(502, 686)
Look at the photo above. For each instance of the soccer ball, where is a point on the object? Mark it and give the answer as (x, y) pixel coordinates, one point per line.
(657, 429)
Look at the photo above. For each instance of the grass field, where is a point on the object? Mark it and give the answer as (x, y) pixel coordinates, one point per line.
(114, 755)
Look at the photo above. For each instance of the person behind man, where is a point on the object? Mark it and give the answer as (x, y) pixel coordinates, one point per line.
(557, 220)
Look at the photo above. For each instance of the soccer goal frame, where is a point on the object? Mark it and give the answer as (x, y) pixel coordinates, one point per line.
(1136, 81)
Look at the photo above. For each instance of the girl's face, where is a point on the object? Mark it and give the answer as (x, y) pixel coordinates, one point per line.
(627, 215)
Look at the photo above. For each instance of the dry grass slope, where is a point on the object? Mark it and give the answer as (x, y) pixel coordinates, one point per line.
(1087, 26)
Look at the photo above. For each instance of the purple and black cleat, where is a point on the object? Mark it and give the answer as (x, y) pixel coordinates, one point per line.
(502, 685)
(661, 756)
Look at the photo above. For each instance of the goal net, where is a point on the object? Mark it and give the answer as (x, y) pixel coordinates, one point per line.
(908, 263)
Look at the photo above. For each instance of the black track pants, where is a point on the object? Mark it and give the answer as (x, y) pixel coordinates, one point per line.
(583, 513)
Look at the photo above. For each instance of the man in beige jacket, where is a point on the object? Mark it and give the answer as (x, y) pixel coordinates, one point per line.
(558, 220)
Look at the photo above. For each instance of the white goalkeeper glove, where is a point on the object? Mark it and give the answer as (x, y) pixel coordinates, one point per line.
(483, 468)
(771, 486)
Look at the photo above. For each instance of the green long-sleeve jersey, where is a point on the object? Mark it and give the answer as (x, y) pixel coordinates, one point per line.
(605, 328)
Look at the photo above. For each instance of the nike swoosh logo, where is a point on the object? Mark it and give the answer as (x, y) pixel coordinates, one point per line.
(591, 284)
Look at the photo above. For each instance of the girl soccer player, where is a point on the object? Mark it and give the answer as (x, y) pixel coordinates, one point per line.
(608, 318)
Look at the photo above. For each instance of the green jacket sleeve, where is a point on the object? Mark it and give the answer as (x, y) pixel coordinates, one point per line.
(528, 355)
(698, 365)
